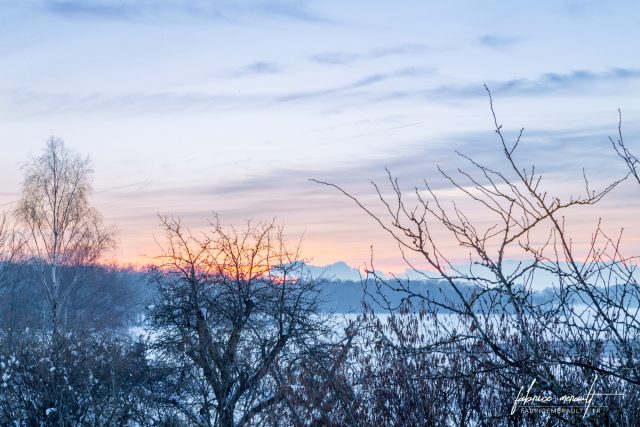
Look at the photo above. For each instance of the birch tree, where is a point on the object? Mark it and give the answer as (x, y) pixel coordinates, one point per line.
(63, 230)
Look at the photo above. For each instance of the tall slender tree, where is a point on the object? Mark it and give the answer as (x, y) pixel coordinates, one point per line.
(63, 230)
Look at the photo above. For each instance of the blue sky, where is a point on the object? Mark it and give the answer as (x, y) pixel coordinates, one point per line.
(230, 106)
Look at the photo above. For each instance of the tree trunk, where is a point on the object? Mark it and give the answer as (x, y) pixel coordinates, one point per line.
(226, 418)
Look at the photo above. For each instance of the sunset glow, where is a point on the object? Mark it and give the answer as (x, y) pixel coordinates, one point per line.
(231, 108)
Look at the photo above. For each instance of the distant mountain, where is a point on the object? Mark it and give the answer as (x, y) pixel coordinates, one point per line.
(337, 271)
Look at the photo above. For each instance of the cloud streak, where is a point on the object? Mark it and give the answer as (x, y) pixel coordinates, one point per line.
(347, 58)
(556, 82)
(93, 10)
(258, 68)
(495, 41)
(564, 152)
(364, 82)
(38, 103)
(582, 81)
(305, 206)
(357, 92)
(169, 9)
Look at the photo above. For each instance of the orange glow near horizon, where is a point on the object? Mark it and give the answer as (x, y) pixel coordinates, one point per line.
(357, 254)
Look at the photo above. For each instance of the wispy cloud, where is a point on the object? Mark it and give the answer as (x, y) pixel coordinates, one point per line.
(364, 82)
(28, 102)
(258, 67)
(345, 58)
(147, 9)
(548, 83)
(361, 91)
(296, 9)
(580, 81)
(558, 155)
(496, 41)
(93, 9)
(336, 58)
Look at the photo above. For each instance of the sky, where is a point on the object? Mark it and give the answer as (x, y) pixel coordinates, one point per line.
(190, 108)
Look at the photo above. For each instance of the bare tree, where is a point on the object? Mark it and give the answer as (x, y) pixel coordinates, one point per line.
(11, 251)
(623, 152)
(584, 329)
(235, 311)
(11, 244)
(63, 230)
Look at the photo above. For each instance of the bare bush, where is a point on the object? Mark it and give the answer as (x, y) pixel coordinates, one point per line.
(94, 379)
(501, 338)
